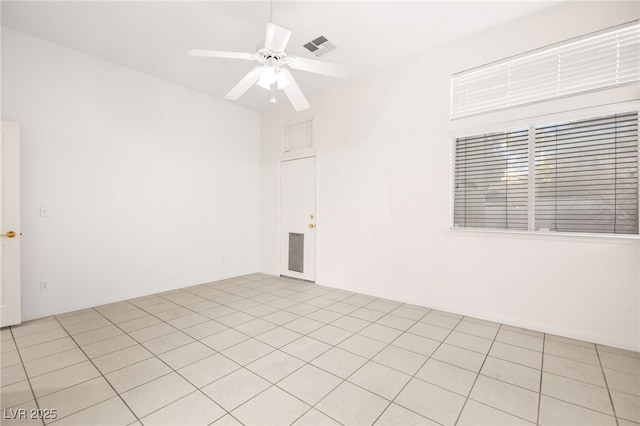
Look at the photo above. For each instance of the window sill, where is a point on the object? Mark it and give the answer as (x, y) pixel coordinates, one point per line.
(538, 235)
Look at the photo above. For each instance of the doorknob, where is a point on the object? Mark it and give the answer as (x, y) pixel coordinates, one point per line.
(311, 225)
(9, 234)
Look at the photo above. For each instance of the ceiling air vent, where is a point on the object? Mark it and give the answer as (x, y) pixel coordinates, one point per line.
(320, 46)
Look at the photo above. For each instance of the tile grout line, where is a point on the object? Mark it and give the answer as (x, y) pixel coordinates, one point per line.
(413, 376)
(25, 373)
(19, 326)
(357, 307)
(57, 369)
(334, 346)
(370, 359)
(477, 376)
(275, 349)
(198, 389)
(544, 341)
(370, 322)
(41, 343)
(44, 343)
(172, 370)
(352, 333)
(417, 370)
(101, 375)
(580, 381)
(309, 362)
(506, 382)
(575, 404)
(142, 344)
(613, 407)
(271, 289)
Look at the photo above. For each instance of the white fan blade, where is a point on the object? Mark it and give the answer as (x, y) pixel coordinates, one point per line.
(220, 54)
(318, 67)
(294, 93)
(276, 38)
(243, 85)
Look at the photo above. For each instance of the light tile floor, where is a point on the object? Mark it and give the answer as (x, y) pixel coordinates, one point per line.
(265, 350)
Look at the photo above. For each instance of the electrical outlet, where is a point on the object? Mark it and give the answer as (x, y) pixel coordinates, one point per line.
(43, 285)
(44, 211)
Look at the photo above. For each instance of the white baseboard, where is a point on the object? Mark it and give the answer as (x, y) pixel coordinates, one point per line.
(504, 319)
(86, 304)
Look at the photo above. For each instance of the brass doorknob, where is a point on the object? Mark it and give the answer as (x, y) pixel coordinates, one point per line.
(9, 234)
(311, 225)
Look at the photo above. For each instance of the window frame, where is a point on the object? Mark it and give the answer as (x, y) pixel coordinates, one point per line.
(530, 123)
(290, 125)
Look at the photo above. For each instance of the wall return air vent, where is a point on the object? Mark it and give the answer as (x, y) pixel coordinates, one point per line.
(320, 46)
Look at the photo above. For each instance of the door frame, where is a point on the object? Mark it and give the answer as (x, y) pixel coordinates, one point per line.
(15, 316)
(316, 245)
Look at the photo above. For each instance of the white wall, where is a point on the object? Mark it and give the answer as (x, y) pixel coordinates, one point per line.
(384, 151)
(150, 186)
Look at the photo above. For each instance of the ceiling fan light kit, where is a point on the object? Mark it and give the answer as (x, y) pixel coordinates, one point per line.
(268, 77)
(273, 71)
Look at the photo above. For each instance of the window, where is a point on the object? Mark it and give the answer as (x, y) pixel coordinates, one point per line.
(298, 135)
(584, 177)
(491, 175)
(597, 61)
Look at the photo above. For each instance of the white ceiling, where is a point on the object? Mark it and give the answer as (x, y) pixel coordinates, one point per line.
(154, 36)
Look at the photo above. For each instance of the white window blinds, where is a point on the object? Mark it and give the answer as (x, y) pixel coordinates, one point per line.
(597, 61)
(491, 173)
(587, 175)
(577, 176)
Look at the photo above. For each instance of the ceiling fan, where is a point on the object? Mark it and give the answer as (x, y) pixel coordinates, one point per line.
(272, 72)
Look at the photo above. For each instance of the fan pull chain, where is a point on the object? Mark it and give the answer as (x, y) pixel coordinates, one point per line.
(273, 99)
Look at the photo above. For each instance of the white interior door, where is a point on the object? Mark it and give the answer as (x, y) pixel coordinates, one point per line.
(298, 218)
(10, 225)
